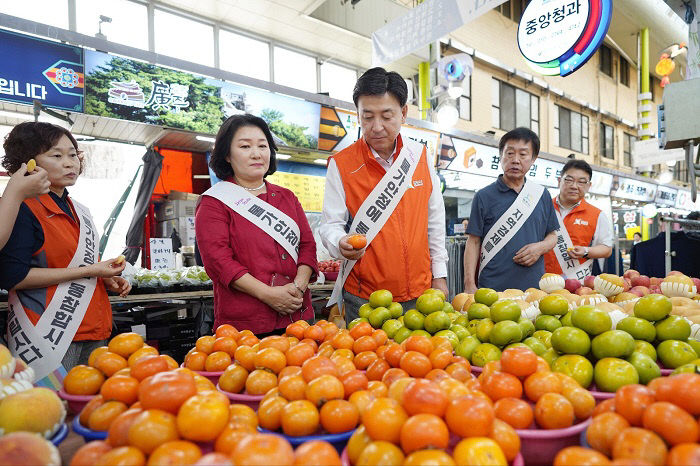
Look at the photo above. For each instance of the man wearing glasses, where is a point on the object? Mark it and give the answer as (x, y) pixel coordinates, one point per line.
(585, 232)
(512, 222)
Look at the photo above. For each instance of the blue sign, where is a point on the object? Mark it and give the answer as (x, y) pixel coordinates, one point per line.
(36, 69)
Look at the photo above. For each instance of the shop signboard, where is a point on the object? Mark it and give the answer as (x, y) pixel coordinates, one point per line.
(647, 152)
(479, 159)
(430, 139)
(351, 126)
(465, 181)
(628, 188)
(626, 222)
(665, 196)
(36, 69)
(308, 189)
(684, 201)
(118, 87)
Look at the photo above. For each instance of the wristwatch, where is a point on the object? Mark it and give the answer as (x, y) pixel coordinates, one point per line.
(585, 254)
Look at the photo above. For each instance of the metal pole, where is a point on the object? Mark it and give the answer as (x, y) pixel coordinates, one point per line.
(667, 252)
(424, 87)
(644, 65)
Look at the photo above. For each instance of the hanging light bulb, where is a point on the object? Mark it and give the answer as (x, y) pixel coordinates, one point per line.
(447, 114)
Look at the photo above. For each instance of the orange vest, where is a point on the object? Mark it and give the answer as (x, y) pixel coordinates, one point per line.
(581, 224)
(61, 235)
(398, 258)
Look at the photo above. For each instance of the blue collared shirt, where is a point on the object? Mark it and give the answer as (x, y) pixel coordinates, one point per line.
(487, 207)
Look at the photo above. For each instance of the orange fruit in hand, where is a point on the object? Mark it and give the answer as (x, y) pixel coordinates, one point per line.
(424, 431)
(554, 411)
(263, 449)
(316, 452)
(152, 428)
(339, 416)
(175, 452)
(357, 241)
(299, 418)
(203, 416)
(121, 388)
(83, 380)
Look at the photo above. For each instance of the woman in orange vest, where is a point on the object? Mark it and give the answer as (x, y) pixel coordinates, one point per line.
(46, 239)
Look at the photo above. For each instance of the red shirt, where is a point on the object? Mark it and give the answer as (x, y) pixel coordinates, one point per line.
(232, 246)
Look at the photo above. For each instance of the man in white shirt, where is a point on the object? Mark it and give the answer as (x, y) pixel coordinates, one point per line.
(588, 227)
(408, 254)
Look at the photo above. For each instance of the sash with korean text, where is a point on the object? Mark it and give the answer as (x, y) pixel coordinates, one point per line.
(275, 223)
(571, 267)
(510, 222)
(42, 346)
(379, 205)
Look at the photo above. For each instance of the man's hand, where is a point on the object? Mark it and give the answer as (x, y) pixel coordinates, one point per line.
(440, 284)
(577, 252)
(118, 285)
(348, 251)
(528, 254)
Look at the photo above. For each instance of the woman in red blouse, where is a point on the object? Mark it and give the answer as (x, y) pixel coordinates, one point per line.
(257, 283)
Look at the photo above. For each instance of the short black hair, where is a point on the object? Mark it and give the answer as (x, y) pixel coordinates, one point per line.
(222, 145)
(29, 139)
(580, 164)
(378, 81)
(521, 134)
(637, 233)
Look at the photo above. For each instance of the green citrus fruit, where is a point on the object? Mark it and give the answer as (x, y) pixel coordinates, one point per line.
(546, 322)
(421, 332)
(695, 344)
(355, 322)
(485, 353)
(381, 298)
(674, 353)
(396, 310)
(535, 345)
(413, 319)
(483, 330)
(401, 334)
(429, 303)
(436, 321)
(364, 310)
(591, 320)
(575, 366)
(459, 330)
(466, 347)
(437, 292)
(554, 305)
(641, 346)
(566, 319)
(550, 356)
(486, 296)
(571, 340)
(653, 307)
(378, 316)
(391, 326)
(545, 336)
(505, 332)
(462, 320)
(450, 335)
(612, 344)
(647, 369)
(479, 311)
(527, 327)
(613, 373)
(640, 329)
(672, 328)
(505, 309)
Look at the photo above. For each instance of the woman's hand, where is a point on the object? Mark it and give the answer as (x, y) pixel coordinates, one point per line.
(105, 269)
(283, 299)
(118, 285)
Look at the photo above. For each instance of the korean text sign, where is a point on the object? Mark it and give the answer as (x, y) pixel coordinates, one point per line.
(36, 69)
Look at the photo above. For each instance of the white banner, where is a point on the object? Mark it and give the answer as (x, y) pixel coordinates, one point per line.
(43, 346)
(280, 227)
(424, 24)
(510, 222)
(570, 267)
(379, 205)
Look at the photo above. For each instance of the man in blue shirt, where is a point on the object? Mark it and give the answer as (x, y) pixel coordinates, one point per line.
(520, 262)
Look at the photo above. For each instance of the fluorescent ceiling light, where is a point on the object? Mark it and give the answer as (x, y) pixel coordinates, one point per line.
(204, 138)
(283, 156)
(320, 161)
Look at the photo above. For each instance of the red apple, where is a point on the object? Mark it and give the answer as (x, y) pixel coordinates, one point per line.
(631, 273)
(639, 290)
(697, 283)
(655, 281)
(627, 285)
(674, 272)
(640, 280)
(588, 281)
(572, 284)
(584, 290)
(655, 289)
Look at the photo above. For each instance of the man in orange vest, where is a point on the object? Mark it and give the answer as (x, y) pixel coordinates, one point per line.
(404, 216)
(590, 230)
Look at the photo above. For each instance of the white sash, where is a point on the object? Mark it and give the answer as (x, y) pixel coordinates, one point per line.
(570, 267)
(43, 346)
(278, 225)
(379, 205)
(510, 222)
